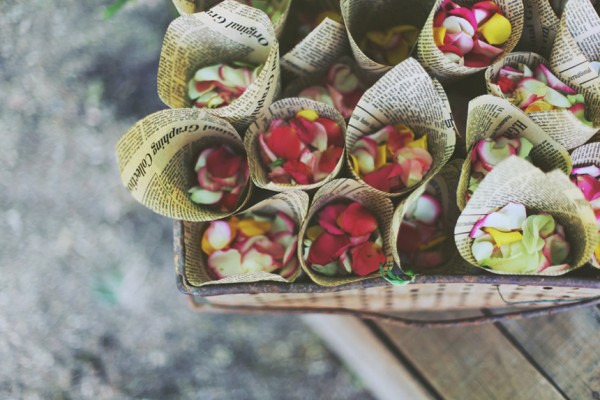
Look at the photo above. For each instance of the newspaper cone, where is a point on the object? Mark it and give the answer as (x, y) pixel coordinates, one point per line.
(196, 6)
(407, 95)
(362, 16)
(318, 50)
(226, 33)
(157, 157)
(294, 204)
(561, 125)
(491, 116)
(577, 44)
(443, 187)
(340, 189)
(516, 180)
(584, 156)
(540, 28)
(434, 61)
(285, 109)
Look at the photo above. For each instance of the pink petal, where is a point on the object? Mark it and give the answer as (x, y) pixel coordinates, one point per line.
(543, 74)
(467, 14)
(485, 49)
(328, 218)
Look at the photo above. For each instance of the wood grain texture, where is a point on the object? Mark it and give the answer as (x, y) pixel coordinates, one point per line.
(566, 347)
(471, 363)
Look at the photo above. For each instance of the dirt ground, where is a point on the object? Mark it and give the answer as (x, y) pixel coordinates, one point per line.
(89, 308)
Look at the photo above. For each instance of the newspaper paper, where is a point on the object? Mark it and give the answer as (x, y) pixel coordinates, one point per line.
(443, 187)
(586, 155)
(540, 28)
(407, 95)
(434, 61)
(196, 6)
(516, 180)
(228, 32)
(294, 204)
(317, 51)
(491, 116)
(157, 157)
(362, 16)
(562, 125)
(577, 44)
(286, 109)
(339, 189)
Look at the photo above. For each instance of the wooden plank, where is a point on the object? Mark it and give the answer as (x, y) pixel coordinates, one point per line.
(371, 360)
(471, 362)
(566, 347)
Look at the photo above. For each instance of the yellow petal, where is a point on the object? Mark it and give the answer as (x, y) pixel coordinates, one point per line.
(252, 227)
(205, 245)
(401, 128)
(433, 242)
(496, 30)
(420, 143)
(233, 224)
(438, 35)
(539, 105)
(380, 38)
(597, 252)
(314, 232)
(354, 163)
(329, 14)
(398, 54)
(381, 156)
(502, 238)
(309, 115)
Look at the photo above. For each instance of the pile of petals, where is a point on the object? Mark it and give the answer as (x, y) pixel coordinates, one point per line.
(218, 85)
(340, 88)
(470, 36)
(222, 176)
(303, 150)
(392, 46)
(251, 243)
(586, 179)
(421, 239)
(391, 159)
(308, 20)
(510, 240)
(539, 90)
(343, 240)
(488, 152)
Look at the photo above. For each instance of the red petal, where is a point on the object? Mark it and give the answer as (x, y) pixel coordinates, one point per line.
(408, 238)
(335, 135)
(357, 220)
(284, 143)
(382, 178)
(476, 60)
(507, 86)
(439, 18)
(367, 258)
(450, 48)
(327, 248)
(328, 217)
(299, 171)
(399, 138)
(304, 129)
(229, 201)
(223, 162)
(329, 159)
(465, 13)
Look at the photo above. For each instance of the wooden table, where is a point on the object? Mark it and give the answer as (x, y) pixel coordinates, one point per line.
(554, 357)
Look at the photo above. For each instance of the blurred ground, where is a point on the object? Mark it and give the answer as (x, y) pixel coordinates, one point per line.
(88, 303)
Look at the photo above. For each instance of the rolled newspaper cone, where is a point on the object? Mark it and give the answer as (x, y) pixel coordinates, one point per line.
(517, 181)
(363, 16)
(406, 95)
(340, 84)
(228, 32)
(540, 27)
(278, 16)
(200, 271)
(157, 158)
(440, 67)
(583, 158)
(286, 109)
(318, 50)
(576, 54)
(349, 190)
(442, 188)
(490, 117)
(561, 125)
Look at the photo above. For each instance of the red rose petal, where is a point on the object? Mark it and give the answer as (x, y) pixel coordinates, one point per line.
(329, 159)
(328, 217)
(408, 238)
(229, 201)
(284, 143)
(223, 162)
(476, 60)
(335, 136)
(327, 248)
(450, 48)
(366, 258)
(299, 171)
(357, 220)
(507, 86)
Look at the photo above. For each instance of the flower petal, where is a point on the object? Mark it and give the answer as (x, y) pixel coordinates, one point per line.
(367, 258)
(357, 220)
(496, 30)
(328, 217)
(327, 248)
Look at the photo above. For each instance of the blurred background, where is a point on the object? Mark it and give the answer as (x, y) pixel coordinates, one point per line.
(89, 308)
